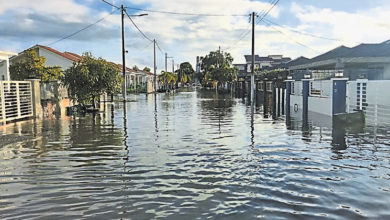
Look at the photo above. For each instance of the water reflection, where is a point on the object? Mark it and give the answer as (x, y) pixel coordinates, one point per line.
(194, 155)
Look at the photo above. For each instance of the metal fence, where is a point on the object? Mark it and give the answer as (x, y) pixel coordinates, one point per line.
(15, 100)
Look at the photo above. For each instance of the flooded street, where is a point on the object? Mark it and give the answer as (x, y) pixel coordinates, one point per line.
(192, 155)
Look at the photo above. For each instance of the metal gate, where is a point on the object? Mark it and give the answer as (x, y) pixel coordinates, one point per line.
(15, 100)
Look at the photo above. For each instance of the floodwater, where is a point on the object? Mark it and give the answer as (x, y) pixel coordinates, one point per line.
(192, 155)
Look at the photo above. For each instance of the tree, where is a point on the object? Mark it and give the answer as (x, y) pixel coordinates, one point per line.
(135, 67)
(32, 66)
(146, 69)
(91, 77)
(167, 79)
(185, 72)
(217, 68)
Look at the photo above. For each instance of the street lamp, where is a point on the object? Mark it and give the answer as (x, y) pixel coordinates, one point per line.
(124, 50)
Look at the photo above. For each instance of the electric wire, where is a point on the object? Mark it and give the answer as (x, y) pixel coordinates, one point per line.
(301, 32)
(186, 14)
(273, 4)
(136, 26)
(111, 4)
(291, 39)
(88, 26)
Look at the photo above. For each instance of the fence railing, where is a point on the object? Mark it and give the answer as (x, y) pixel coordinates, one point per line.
(15, 100)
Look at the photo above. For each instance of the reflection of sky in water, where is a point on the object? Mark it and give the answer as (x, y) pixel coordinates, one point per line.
(192, 155)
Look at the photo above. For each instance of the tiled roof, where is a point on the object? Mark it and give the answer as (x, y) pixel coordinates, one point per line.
(70, 56)
(362, 50)
(298, 61)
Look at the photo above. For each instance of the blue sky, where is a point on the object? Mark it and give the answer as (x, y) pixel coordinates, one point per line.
(24, 23)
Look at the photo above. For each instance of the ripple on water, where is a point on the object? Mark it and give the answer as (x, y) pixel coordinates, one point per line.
(196, 156)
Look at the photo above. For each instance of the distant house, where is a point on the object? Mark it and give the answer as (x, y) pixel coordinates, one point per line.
(136, 79)
(4, 64)
(53, 57)
(365, 61)
(262, 63)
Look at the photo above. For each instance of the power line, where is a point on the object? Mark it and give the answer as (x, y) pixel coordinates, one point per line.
(301, 32)
(139, 30)
(88, 26)
(187, 14)
(111, 4)
(291, 39)
(273, 4)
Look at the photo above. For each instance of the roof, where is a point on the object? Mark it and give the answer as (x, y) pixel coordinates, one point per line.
(248, 58)
(362, 50)
(70, 56)
(298, 61)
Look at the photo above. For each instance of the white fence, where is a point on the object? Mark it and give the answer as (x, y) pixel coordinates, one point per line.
(372, 97)
(15, 100)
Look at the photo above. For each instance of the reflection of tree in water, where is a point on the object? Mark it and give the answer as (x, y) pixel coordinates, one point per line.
(95, 139)
(217, 104)
(216, 107)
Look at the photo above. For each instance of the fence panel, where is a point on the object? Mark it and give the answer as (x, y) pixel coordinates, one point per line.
(15, 100)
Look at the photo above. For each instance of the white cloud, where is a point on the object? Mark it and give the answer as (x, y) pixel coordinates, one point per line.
(66, 9)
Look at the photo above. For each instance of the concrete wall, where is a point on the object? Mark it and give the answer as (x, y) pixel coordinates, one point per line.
(53, 59)
(54, 99)
(3, 69)
(386, 72)
(322, 105)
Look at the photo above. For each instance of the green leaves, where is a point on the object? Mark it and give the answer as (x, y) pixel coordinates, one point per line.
(91, 77)
(32, 66)
(185, 72)
(217, 67)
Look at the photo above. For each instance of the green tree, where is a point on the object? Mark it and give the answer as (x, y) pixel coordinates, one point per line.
(185, 72)
(217, 68)
(146, 69)
(32, 66)
(167, 79)
(91, 77)
(135, 67)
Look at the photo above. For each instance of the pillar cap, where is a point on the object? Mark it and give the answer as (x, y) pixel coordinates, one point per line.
(339, 79)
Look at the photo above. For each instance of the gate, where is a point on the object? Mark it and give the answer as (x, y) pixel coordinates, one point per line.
(15, 100)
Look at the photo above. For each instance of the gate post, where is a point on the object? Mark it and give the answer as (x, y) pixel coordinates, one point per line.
(305, 97)
(339, 95)
(36, 98)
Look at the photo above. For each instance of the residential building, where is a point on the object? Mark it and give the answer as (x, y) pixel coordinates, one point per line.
(261, 63)
(365, 61)
(4, 64)
(53, 57)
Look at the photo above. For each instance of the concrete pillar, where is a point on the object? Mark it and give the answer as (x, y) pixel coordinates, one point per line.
(305, 97)
(278, 99)
(339, 95)
(36, 98)
(288, 94)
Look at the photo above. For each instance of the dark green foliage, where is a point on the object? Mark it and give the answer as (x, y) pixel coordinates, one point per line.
(32, 66)
(217, 68)
(91, 77)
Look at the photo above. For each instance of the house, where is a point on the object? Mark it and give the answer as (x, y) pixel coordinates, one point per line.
(261, 63)
(4, 64)
(138, 80)
(365, 61)
(53, 57)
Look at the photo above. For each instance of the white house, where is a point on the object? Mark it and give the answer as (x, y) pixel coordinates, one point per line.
(4, 64)
(53, 57)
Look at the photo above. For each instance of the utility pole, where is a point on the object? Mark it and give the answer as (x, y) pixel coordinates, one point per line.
(253, 60)
(166, 60)
(123, 53)
(173, 66)
(155, 71)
